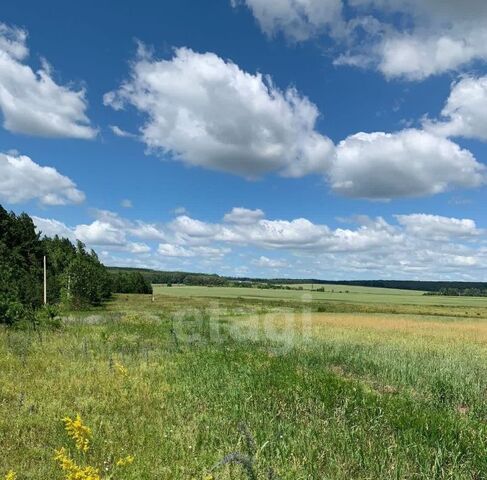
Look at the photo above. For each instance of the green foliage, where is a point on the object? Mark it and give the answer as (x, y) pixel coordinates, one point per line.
(11, 311)
(21, 255)
(176, 278)
(21, 270)
(130, 282)
(48, 316)
(85, 280)
(460, 292)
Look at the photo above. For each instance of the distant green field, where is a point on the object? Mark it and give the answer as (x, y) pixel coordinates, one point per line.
(335, 293)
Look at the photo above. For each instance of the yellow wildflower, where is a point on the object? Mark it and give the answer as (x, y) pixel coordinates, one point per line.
(121, 370)
(11, 475)
(72, 470)
(80, 433)
(122, 462)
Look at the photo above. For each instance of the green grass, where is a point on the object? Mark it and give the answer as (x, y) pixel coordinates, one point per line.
(308, 395)
(342, 294)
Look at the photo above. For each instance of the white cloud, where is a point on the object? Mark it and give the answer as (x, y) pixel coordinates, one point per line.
(50, 228)
(108, 229)
(114, 235)
(422, 54)
(100, 233)
(299, 19)
(438, 227)
(413, 39)
(22, 180)
(120, 132)
(243, 216)
(465, 112)
(32, 102)
(126, 203)
(138, 228)
(207, 112)
(171, 250)
(409, 163)
(439, 36)
(138, 247)
(190, 227)
(265, 262)
(419, 245)
(299, 234)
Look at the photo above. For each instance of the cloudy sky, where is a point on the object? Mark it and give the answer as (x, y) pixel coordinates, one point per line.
(337, 139)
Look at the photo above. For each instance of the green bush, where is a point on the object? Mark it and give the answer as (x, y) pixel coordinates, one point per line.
(48, 316)
(11, 311)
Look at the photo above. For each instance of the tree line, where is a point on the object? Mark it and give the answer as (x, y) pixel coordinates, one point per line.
(176, 278)
(212, 280)
(460, 292)
(76, 278)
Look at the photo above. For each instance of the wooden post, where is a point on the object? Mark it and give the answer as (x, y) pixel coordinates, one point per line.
(45, 281)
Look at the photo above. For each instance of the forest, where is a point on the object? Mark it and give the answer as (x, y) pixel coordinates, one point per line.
(76, 278)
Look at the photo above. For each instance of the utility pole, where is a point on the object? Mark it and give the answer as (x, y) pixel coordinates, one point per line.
(45, 281)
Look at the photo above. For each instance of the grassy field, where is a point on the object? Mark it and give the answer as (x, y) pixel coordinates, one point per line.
(198, 388)
(333, 293)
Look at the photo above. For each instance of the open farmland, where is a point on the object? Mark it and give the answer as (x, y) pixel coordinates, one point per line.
(332, 293)
(194, 387)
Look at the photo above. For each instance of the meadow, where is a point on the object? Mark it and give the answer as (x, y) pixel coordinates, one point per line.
(208, 383)
(332, 293)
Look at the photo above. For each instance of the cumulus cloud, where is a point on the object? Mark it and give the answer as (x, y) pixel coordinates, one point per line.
(419, 55)
(179, 251)
(107, 230)
(31, 101)
(465, 112)
(297, 234)
(409, 163)
(243, 215)
(208, 112)
(438, 227)
(411, 39)
(439, 36)
(137, 228)
(22, 180)
(418, 245)
(50, 228)
(138, 247)
(299, 19)
(266, 262)
(170, 250)
(100, 233)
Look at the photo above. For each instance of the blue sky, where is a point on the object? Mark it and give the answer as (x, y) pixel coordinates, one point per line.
(319, 138)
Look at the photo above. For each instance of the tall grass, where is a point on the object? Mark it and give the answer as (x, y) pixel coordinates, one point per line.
(191, 396)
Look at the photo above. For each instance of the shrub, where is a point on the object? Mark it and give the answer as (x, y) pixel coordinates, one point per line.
(48, 316)
(11, 311)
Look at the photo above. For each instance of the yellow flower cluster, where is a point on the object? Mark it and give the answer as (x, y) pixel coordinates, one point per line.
(123, 462)
(11, 475)
(121, 370)
(80, 433)
(74, 471)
